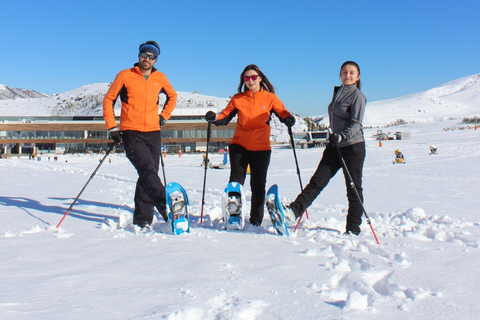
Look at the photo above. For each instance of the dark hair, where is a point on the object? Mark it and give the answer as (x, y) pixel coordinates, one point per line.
(352, 63)
(265, 83)
(153, 43)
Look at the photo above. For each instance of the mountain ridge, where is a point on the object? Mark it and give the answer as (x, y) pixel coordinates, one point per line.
(7, 92)
(456, 99)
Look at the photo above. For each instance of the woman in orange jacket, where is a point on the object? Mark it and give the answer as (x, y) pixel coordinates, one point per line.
(253, 105)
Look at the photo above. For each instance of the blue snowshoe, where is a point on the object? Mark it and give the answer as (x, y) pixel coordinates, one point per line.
(233, 206)
(178, 206)
(275, 210)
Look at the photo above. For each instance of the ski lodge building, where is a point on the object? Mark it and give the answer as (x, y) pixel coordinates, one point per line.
(23, 135)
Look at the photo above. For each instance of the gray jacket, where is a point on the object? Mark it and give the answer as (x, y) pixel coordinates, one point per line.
(346, 114)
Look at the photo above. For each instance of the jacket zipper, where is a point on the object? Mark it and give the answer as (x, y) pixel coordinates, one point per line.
(145, 107)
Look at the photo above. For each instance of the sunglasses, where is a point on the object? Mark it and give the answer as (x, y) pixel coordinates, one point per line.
(144, 55)
(253, 77)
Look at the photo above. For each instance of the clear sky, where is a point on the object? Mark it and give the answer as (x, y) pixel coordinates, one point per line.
(402, 47)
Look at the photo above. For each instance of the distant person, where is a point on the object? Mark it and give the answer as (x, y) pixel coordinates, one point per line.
(253, 104)
(399, 158)
(345, 113)
(140, 122)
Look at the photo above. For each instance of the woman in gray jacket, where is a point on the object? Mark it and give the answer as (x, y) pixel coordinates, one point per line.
(346, 114)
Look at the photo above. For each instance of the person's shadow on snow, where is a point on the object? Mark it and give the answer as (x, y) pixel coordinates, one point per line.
(30, 205)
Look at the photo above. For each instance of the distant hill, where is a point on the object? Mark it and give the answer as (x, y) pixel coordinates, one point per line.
(456, 99)
(13, 93)
(87, 101)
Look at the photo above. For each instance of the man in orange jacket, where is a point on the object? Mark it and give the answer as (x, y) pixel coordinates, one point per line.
(139, 88)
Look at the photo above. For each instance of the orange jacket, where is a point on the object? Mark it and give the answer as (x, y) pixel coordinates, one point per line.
(254, 112)
(139, 100)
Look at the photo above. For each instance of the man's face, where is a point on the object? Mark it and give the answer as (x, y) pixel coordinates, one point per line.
(146, 61)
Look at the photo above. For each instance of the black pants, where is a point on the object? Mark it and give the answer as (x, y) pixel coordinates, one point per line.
(143, 149)
(259, 161)
(354, 157)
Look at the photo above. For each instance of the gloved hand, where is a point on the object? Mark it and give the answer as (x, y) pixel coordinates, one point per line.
(289, 121)
(114, 134)
(210, 116)
(162, 121)
(335, 138)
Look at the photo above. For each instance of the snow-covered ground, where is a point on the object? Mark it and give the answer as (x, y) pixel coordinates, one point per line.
(425, 214)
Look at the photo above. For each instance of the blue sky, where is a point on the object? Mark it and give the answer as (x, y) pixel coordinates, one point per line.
(402, 47)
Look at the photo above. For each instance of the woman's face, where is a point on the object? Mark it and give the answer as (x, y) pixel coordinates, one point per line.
(252, 85)
(349, 75)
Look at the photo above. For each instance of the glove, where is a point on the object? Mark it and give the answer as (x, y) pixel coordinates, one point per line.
(335, 138)
(210, 116)
(162, 121)
(114, 134)
(289, 121)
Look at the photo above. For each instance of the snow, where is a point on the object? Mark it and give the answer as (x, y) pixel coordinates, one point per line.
(91, 96)
(457, 99)
(424, 212)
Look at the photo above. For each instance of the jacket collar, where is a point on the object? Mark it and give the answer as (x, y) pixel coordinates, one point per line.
(250, 93)
(137, 69)
(351, 87)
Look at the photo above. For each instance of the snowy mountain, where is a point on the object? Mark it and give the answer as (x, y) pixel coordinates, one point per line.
(87, 101)
(456, 99)
(13, 93)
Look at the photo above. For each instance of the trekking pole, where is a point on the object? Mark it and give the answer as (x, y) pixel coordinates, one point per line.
(352, 185)
(110, 148)
(209, 129)
(298, 171)
(163, 169)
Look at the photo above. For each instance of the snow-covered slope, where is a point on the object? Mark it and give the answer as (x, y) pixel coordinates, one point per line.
(87, 101)
(456, 99)
(14, 93)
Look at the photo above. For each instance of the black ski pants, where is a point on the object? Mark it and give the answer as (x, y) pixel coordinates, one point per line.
(143, 149)
(354, 156)
(259, 161)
